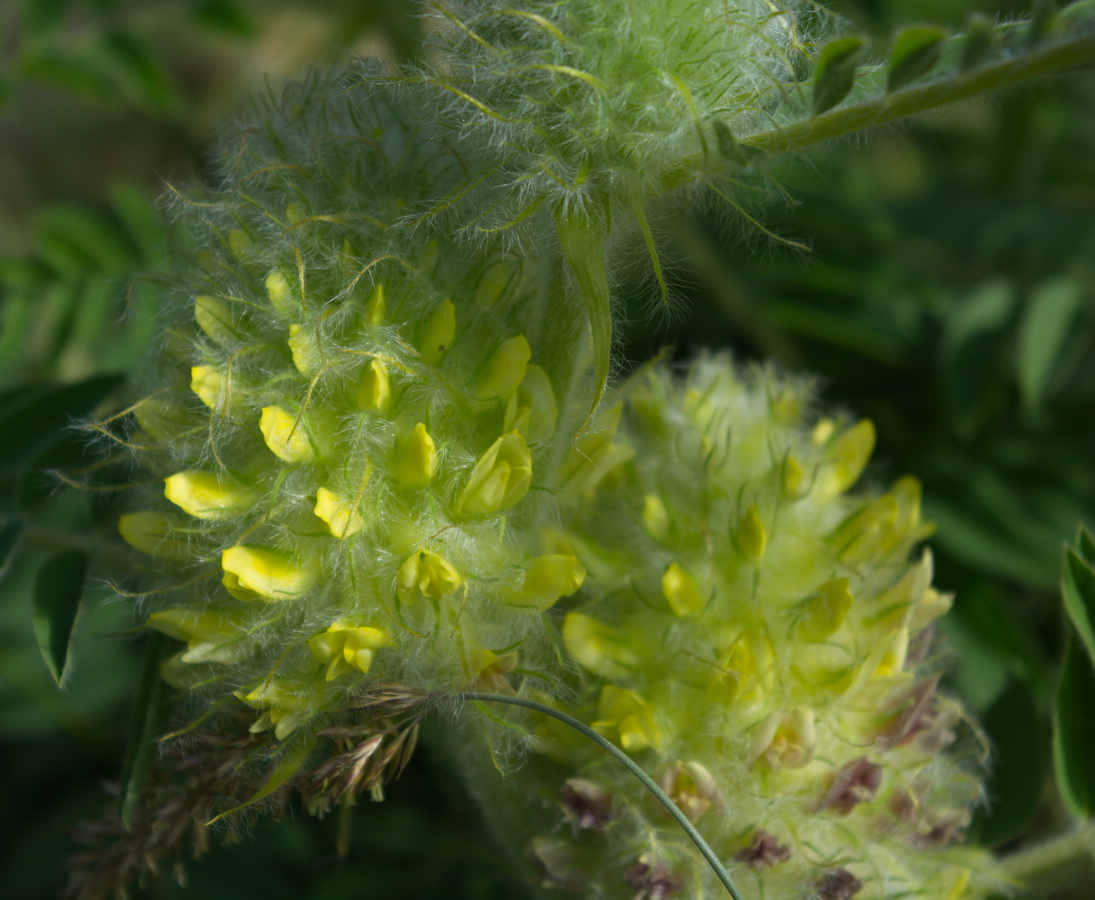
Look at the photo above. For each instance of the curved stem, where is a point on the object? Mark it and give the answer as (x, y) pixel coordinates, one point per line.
(628, 763)
(1022, 866)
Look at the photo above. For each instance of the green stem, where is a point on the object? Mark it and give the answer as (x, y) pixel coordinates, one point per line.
(51, 540)
(1023, 866)
(633, 768)
(1052, 57)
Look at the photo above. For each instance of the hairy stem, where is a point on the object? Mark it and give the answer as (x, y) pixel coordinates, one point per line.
(1053, 57)
(628, 763)
(1023, 866)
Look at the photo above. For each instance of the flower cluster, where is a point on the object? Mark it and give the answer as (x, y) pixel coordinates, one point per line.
(351, 440)
(369, 464)
(753, 631)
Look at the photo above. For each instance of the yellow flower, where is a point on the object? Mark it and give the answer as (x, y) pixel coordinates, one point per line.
(750, 537)
(825, 610)
(595, 453)
(504, 371)
(847, 457)
(340, 519)
(212, 633)
(305, 350)
(208, 383)
(531, 410)
(255, 573)
(415, 459)
(286, 706)
(547, 579)
(785, 740)
(626, 716)
(281, 295)
(746, 669)
(500, 479)
(347, 647)
(682, 591)
(598, 647)
(373, 389)
(426, 574)
(285, 435)
(205, 496)
(154, 533)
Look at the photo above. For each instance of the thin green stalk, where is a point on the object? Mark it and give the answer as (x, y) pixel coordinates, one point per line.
(1021, 867)
(631, 766)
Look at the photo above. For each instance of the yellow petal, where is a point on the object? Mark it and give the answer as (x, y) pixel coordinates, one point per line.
(208, 383)
(340, 519)
(826, 610)
(281, 295)
(501, 478)
(285, 435)
(749, 536)
(305, 350)
(548, 579)
(265, 574)
(373, 389)
(415, 459)
(681, 591)
(205, 496)
(426, 574)
(598, 647)
(504, 371)
(154, 533)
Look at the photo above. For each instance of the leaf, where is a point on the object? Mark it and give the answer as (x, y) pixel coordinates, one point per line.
(1078, 594)
(1015, 785)
(583, 247)
(1042, 17)
(286, 767)
(39, 416)
(834, 73)
(731, 149)
(971, 344)
(145, 724)
(915, 52)
(1043, 331)
(977, 43)
(9, 540)
(140, 75)
(1074, 732)
(58, 589)
(1085, 543)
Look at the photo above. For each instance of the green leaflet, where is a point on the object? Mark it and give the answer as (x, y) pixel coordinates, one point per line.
(144, 726)
(1078, 594)
(1015, 783)
(58, 589)
(285, 768)
(1074, 732)
(1043, 332)
(915, 52)
(835, 71)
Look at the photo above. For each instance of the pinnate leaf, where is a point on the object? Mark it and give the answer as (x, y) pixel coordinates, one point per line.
(835, 71)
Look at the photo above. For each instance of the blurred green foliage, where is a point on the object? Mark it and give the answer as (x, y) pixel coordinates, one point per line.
(950, 296)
